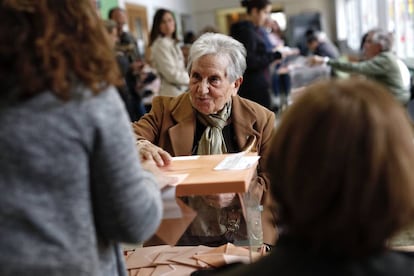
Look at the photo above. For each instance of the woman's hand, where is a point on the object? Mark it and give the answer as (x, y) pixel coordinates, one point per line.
(150, 152)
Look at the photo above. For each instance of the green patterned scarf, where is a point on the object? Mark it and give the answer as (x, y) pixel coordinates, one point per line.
(212, 140)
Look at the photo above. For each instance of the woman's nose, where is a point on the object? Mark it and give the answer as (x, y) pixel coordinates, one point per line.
(203, 87)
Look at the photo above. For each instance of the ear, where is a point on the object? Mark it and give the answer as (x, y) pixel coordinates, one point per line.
(236, 85)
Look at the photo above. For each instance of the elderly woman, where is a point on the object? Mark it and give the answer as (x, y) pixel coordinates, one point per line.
(210, 119)
(348, 185)
(257, 76)
(380, 65)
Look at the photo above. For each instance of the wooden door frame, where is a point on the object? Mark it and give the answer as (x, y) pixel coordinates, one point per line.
(134, 12)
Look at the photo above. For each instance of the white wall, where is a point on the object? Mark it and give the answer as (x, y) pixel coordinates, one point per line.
(203, 12)
(325, 7)
(178, 6)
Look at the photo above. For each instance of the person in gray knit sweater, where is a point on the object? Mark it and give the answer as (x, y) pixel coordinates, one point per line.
(72, 186)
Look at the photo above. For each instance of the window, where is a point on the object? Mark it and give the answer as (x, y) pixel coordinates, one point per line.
(280, 18)
(401, 24)
(356, 17)
(352, 16)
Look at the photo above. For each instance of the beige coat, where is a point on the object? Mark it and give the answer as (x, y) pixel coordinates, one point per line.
(171, 124)
(167, 58)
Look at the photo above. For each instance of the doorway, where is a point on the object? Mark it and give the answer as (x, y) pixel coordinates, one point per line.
(138, 26)
(226, 17)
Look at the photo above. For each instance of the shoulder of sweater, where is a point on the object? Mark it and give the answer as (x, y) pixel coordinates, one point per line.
(106, 102)
(386, 55)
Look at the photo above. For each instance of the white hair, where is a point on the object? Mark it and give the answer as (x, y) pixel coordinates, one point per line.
(221, 45)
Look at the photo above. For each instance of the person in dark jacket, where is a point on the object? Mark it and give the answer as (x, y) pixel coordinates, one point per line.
(256, 79)
(339, 203)
(318, 45)
(126, 42)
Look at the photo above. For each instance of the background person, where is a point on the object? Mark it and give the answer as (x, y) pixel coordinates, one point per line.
(127, 91)
(319, 45)
(72, 184)
(189, 38)
(280, 78)
(360, 55)
(348, 185)
(126, 42)
(211, 119)
(166, 54)
(256, 79)
(136, 71)
(380, 65)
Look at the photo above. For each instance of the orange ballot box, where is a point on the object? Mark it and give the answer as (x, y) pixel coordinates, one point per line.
(201, 175)
(213, 174)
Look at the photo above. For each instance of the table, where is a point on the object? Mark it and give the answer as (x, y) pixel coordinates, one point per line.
(183, 260)
(203, 179)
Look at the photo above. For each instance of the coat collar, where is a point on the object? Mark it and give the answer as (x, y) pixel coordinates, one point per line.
(244, 118)
(182, 133)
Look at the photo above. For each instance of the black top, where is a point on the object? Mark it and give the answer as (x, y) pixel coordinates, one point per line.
(290, 258)
(255, 85)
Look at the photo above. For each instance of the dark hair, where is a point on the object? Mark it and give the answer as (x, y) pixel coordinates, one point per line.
(156, 22)
(310, 32)
(363, 39)
(341, 168)
(113, 10)
(53, 45)
(311, 38)
(258, 4)
(189, 37)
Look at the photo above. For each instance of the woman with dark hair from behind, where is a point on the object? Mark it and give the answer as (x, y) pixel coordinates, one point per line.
(256, 80)
(71, 180)
(341, 172)
(166, 55)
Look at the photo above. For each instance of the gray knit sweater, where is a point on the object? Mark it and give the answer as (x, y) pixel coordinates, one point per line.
(71, 186)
